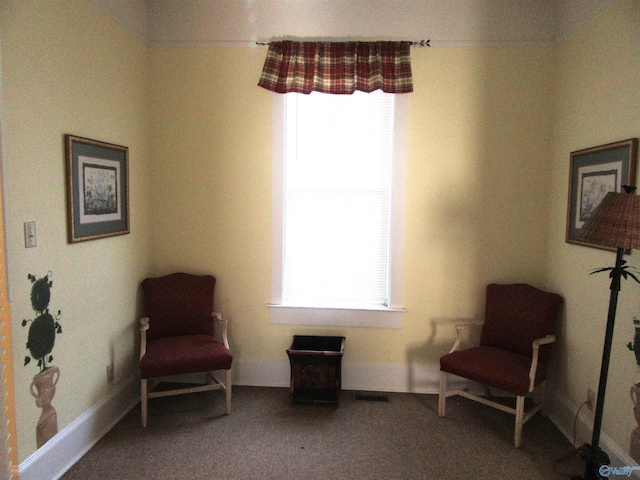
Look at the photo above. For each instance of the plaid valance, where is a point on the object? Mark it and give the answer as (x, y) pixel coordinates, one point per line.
(337, 67)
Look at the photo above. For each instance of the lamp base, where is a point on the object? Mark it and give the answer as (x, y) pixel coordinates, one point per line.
(595, 458)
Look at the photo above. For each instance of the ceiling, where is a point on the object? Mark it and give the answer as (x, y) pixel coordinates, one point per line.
(443, 22)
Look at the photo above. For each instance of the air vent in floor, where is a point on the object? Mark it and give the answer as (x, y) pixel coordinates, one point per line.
(373, 398)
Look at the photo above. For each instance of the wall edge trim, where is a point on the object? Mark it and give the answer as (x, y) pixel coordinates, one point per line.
(563, 413)
(60, 453)
(54, 458)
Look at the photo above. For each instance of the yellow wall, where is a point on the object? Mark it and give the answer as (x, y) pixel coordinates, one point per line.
(478, 178)
(68, 68)
(597, 102)
(489, 135)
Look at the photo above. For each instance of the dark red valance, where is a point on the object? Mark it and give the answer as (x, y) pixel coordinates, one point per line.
(337, 67)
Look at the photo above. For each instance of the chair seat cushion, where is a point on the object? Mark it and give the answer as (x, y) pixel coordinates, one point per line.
(184, 354)
(495, 367)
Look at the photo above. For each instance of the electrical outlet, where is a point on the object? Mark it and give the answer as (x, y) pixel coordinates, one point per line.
(591, 399)
(110, 373)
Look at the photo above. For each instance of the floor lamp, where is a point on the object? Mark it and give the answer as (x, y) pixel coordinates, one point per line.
(614, 223)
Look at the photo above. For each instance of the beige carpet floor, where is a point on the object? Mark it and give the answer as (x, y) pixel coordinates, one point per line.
(190, 437)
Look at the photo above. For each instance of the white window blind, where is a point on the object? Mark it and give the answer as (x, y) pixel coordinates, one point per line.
(337, 199)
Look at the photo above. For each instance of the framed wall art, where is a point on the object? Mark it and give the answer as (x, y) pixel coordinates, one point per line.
(593, 173)
(97, 177)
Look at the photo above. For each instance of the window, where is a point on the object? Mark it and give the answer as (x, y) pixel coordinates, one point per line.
(338, 209)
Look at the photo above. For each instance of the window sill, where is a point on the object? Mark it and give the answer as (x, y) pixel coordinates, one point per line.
(365, 316)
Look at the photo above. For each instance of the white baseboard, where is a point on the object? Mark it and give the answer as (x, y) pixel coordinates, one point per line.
(69, 445)
(376, 377)
(260, 373)
(563, 414)
(387, 377)
(60, 453)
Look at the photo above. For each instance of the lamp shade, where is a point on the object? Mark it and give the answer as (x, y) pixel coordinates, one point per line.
(615, 222)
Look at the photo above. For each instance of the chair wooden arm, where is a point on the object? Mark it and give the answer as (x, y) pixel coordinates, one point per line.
(459, 329)
(534, 359)
(224, 323)
(144, 326)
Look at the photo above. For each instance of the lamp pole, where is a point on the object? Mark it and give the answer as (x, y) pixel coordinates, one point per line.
(593, 455)
(614, 223)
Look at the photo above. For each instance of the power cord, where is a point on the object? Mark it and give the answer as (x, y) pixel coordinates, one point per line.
(575, 452)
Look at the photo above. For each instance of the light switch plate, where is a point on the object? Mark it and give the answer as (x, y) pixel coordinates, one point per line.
(30, 239)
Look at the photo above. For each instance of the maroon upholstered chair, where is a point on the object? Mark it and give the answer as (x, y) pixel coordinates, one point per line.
(177, 336)
(514, 346)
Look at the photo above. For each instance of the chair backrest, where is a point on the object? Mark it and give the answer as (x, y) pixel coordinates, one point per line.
(516, 315)
(179, 304)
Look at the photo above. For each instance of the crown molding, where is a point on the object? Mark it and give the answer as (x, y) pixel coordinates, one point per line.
(443, 22)
(132, 15)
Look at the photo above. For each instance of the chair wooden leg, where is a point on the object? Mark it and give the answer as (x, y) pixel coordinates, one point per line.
(442, 397)
(228, 390)
(143, 401)
(519, 419)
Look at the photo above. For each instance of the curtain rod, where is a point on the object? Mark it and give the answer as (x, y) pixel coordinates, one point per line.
(419, 43)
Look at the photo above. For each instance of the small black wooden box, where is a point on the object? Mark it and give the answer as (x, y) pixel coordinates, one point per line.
(315, 368)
